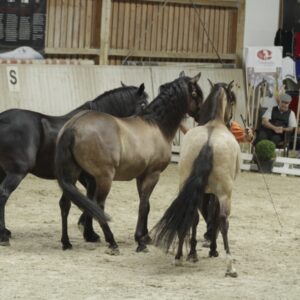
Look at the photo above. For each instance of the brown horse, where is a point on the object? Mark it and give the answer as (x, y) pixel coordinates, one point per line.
(209, 163)
(109, 148)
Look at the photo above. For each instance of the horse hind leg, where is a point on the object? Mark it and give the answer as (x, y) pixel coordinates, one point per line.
(10, 182)
(85, 222)
(103, 186)
(179, 254)
(192, 256)
(65, 205)
(224, 226)
(214, 210)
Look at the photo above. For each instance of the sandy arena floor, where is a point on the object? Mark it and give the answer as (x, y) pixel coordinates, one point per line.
(267, 257)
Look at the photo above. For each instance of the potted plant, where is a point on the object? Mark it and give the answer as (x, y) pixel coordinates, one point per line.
(265, 155)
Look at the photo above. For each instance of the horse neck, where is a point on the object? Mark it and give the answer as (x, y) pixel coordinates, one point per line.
(166, 114)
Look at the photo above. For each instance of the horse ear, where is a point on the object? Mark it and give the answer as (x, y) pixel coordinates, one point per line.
(141, 89)
(123, 85)
(211, 84)
(196, 78)
(182, 74)
(230, 85)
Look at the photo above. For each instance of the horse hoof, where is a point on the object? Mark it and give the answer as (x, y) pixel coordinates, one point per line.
(92, 237)
(4, 238)
(5, 243)
(178, 262)
(112, 251)
(232, 274)
(147, 239)
(192, 258)
(206, 244)
(67, 246)
(142, 248)
(7, 232)
(214, 253)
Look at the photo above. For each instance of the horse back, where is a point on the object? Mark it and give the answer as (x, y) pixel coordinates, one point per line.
(226, 153)
(126, 145)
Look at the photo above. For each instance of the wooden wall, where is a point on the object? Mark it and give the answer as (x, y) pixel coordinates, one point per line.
(118, 31)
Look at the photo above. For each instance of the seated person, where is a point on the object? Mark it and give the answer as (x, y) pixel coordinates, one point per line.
(277, 120)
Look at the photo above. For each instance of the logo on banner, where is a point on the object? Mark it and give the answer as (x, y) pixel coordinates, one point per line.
(264, 54)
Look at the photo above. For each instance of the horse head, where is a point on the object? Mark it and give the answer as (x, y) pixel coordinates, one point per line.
(219, 104)
(141, 99)
(195, 95)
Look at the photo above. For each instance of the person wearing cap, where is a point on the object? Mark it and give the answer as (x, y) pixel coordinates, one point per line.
(277, 120)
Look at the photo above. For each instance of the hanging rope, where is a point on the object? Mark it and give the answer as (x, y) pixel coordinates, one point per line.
(162, 7)
(206, 33)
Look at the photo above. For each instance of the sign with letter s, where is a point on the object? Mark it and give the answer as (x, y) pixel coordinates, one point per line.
(13, 79)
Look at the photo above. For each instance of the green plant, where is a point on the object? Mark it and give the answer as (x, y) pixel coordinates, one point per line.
(265, 150)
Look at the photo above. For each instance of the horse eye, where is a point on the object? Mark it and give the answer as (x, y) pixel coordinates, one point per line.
(194, 94)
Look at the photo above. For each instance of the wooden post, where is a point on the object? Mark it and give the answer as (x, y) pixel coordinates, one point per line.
(240, 33)
(105, 31)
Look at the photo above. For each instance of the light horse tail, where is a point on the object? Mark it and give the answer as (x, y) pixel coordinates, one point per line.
(179, 217)
(67, 171)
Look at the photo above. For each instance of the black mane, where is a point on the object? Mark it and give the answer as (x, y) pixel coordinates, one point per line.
(119, 101)
(169, 107)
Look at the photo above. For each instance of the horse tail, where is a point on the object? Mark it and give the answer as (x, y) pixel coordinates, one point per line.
(65, 168)
(180, 215)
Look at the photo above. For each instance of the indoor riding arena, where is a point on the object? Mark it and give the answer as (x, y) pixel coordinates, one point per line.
(58, 61)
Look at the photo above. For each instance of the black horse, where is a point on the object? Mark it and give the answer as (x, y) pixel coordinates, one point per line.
(28, 139)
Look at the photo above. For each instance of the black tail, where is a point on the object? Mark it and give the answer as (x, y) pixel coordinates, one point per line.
(65, 168)
(180, 215)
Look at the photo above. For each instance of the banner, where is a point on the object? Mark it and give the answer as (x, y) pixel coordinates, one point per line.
(264, 63)
(22, 23)
(264, 59)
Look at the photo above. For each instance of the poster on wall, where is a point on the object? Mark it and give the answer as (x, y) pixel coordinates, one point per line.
(263, 77)
(22, 23)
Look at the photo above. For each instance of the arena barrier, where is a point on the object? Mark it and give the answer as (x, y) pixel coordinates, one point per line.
(59, 86)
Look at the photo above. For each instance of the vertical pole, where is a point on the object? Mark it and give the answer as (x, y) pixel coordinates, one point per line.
(240, 33)
(105, 31)
(297, 118)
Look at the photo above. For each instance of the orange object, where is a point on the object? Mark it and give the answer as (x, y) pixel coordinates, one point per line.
(237, 131)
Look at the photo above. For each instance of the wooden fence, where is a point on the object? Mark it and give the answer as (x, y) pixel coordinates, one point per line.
(122, 31)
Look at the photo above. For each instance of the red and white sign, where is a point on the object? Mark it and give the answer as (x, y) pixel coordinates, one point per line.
(264, 59)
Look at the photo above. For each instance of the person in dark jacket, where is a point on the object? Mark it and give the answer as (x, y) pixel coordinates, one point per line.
(277, 120)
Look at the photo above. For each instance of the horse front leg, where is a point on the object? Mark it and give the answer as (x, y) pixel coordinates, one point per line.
(85, 222)
(224, 226)
(145, 186)
(65, 205)
(9, 183)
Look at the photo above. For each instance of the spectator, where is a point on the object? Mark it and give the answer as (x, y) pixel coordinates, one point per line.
(277, 120)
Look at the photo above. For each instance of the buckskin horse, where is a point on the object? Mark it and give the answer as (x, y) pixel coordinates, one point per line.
(109, 148)
(209, 164)
(27, 144)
